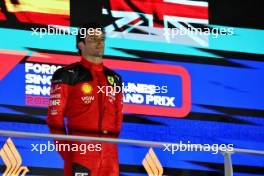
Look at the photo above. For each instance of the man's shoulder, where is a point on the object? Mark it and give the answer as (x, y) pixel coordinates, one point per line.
(66, 73)
(109, 72)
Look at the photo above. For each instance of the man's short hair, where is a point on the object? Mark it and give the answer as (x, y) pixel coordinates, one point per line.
(85, 27)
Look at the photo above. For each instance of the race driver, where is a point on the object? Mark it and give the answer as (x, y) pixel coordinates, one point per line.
(77, 93)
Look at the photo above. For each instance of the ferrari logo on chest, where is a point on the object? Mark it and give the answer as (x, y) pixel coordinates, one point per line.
(110, 79)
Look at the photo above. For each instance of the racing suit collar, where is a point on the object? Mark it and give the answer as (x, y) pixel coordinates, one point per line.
(90, 65)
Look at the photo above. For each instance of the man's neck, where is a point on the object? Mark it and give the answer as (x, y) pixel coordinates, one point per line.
(93, 59)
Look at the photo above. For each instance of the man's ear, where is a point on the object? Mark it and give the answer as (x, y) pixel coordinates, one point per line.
(80, 45)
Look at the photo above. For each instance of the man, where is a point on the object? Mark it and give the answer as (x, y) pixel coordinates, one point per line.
(77, 93)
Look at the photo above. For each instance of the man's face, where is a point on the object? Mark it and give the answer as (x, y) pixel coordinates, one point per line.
(93, 45)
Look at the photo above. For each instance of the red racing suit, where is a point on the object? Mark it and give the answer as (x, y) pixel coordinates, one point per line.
(78, 91)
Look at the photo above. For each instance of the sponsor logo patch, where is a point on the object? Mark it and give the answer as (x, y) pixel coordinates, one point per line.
(87, 99)
(87, 88)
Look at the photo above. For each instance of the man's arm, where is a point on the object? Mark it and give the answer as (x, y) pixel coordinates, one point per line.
(119, 108)
(119, 112)
(59, 94)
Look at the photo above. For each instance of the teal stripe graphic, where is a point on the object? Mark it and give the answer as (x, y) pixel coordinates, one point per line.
(243, 40)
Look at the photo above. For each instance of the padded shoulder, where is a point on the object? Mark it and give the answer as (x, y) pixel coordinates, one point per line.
(71, 74)
(117, 78)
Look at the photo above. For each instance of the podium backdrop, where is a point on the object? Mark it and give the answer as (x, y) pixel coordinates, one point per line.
(212, 86)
